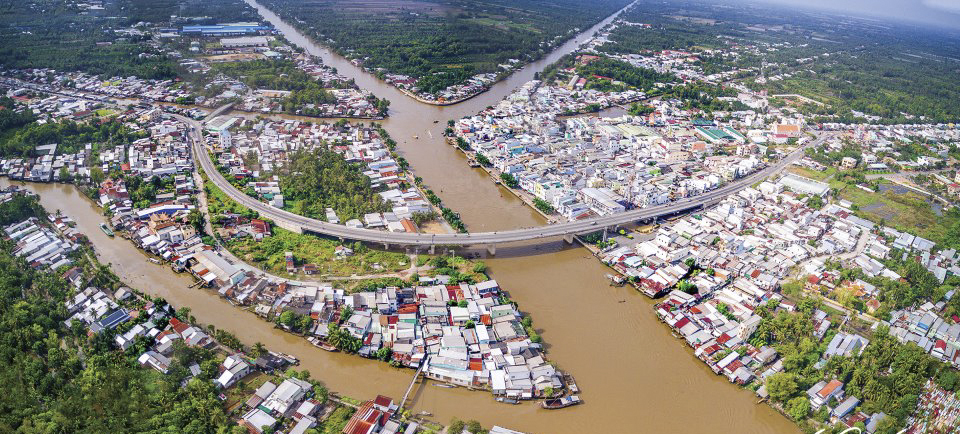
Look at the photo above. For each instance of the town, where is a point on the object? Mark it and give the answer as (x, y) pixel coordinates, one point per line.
(633, 193)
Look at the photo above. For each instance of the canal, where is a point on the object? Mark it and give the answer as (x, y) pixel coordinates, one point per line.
(635, 376)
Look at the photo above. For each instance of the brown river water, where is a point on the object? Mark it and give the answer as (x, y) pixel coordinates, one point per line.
(634, 375)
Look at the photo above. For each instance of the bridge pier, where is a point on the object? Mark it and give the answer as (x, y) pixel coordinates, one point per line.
(604, 234)
(568, 238)
(289, 226)
(386, 246)
(492, 249)
(433, 249)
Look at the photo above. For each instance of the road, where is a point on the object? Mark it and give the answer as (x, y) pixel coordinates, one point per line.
(291, 221)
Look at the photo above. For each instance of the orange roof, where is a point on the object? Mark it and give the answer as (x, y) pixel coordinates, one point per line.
(829, 388)
(357, 424)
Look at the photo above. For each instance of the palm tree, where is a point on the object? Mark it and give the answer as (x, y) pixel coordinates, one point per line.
(258, 349)
(354, 344)
(335, 338)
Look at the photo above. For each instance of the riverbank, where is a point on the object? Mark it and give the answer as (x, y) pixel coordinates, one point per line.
(494, 175)
(161, 353)
(423, 100)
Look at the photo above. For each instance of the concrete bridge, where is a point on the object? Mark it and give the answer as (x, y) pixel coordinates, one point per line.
(490, 240)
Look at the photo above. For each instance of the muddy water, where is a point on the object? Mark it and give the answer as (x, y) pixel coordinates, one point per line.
(636, 377)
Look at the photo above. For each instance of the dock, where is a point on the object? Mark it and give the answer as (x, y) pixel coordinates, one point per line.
(413, 382)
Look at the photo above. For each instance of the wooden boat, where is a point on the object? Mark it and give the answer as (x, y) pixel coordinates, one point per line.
(290, 359)
(445, 385)
(322, 345)
(572, 384)
(508, 400)
(106, 230)
(566, 401)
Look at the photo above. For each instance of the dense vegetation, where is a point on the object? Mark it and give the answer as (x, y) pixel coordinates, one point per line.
(314, 181)
(12, 116)
(443, 41)
(882, 69)
(305, 90)
(618, 70)
(69, 135)
(54, 34)
(886, 376)
(59, 379)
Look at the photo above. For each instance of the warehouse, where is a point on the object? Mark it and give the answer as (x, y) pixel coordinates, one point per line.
(245, 42)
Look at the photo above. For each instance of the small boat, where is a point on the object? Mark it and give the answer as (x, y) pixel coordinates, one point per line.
(425, 413)
(106, 229)
(445, 385)
(508, 400)
(572, 384)
(416, 137)
(321, 344)
(290, 359)
(566, 401)
(154, 260)
(436, 121)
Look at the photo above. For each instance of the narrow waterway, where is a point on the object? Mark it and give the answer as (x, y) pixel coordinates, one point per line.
(635, 376)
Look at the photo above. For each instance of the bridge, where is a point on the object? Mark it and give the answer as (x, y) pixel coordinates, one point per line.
(219, 111)
(301, 224)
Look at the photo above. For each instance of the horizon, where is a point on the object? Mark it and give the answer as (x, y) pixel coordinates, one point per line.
(944, 14)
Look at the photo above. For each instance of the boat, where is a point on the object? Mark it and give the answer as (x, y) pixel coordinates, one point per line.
(437, 121)
(445, 385)
(425, 413)
(616, 279)
(572, 384)
(566, 401)
(290, 359)
(508, 400)
(322, 345)
(155, 260)
(416, 137)
(106, 230)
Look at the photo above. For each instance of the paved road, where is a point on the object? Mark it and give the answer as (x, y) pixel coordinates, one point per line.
(293, 221)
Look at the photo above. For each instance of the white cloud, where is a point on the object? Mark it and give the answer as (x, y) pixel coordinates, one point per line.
(946, 5)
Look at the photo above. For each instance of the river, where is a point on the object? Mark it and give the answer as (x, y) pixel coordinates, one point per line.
(634, 375)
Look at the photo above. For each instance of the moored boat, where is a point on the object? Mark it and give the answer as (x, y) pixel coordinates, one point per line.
(566, 401)
(106, 230)
(507, 400)
(322, 345)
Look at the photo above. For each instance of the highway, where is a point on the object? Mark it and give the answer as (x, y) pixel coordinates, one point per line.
(291, 221)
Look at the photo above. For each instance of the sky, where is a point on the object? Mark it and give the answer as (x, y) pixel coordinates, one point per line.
(936, 12)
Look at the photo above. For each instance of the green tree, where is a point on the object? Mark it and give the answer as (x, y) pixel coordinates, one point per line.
(798, 408)
(781, 386)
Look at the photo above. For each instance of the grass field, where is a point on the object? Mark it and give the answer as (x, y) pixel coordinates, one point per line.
(310, 249)
(908, 211)
(336, 422)
(813, 174)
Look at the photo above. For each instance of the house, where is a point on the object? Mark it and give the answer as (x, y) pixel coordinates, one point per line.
(822, 392)
(845, 407)
(232, 370)
(370, 418)
(256, 420)
(286, 395)
(155, 360)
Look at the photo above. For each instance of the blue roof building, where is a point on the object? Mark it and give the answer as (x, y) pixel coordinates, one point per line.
(230, 29)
